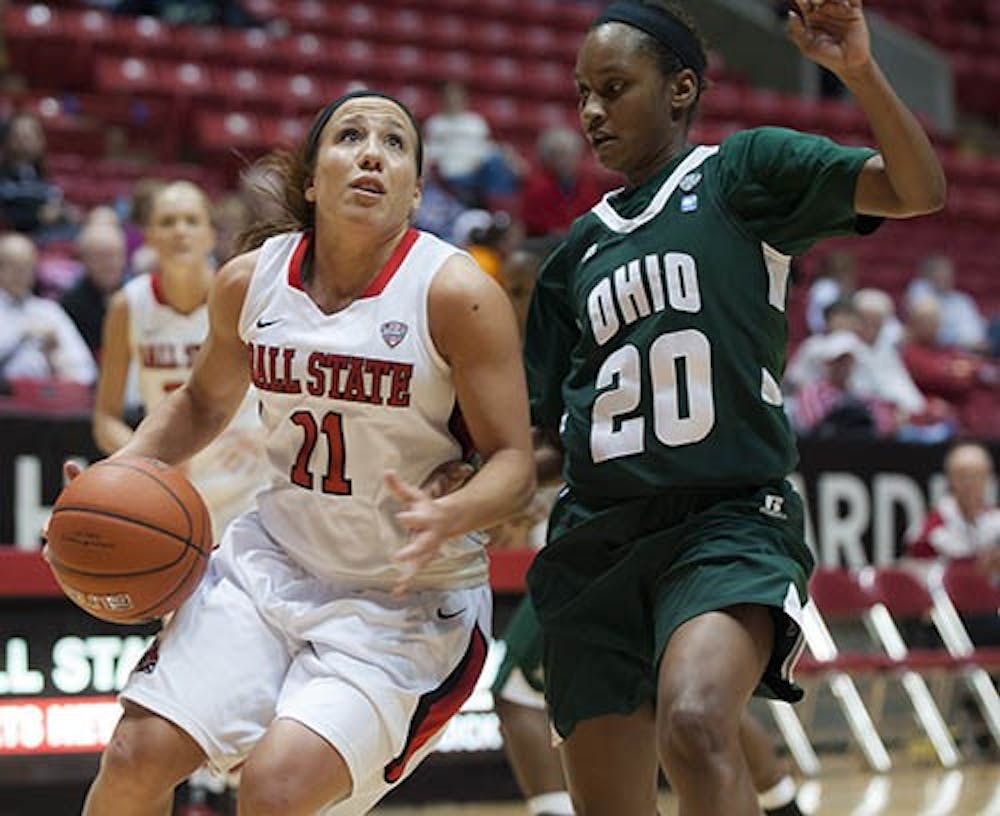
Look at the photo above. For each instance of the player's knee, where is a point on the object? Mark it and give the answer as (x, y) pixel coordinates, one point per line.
(692, 732)
(133, 762)
(268, 788)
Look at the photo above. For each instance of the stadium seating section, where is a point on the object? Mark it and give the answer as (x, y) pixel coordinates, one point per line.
(218, 96)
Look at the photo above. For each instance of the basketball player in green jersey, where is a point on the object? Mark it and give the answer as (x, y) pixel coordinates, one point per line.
(518, 688)
(675, 571)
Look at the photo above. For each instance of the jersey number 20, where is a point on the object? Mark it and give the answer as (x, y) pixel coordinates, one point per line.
(334, 480)
(680, 371)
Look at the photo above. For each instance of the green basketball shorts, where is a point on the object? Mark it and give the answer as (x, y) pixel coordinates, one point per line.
(615, 582)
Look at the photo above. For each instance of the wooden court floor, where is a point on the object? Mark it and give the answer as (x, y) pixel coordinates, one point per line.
(973, 790)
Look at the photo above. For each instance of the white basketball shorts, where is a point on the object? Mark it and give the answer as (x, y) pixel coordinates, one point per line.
(377, 676)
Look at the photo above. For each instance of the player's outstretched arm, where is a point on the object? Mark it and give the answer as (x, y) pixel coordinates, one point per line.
(473, 326)
(110, 430)
(193, 415)
(906, 179)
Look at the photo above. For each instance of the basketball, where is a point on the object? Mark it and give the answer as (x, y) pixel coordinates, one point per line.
(129, 539)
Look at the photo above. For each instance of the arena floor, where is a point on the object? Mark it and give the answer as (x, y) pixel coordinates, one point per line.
(971, 791)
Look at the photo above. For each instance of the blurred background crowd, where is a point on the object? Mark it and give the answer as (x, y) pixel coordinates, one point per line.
(895, 336)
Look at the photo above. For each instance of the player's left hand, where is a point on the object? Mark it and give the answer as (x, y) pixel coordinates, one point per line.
(832, 33)
(426, 522)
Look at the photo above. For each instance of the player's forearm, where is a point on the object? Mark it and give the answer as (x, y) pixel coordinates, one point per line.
(110, 433)
(503, 487)
(177, 428)
(911, 165)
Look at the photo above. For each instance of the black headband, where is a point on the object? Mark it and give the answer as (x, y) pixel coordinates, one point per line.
(662, 26)
(312, 140)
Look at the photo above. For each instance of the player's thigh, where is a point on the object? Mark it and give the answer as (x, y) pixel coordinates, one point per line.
(611, 764)
(292, 770)
(149, 749)
(711, 666)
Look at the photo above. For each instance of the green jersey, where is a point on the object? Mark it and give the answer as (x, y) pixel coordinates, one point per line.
(657, 333)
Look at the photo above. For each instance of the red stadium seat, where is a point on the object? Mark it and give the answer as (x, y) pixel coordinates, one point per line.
(244, 89)
(970, 589)
(35, 37)
(286, 132)
(127, 75)
(450, 32)
(221, 133)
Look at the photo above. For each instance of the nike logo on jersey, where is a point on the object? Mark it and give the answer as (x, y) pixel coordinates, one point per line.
(449, 615)
(590, 253)
(263, 324)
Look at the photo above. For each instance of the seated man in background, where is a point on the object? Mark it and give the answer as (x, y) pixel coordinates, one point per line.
(38, 341)
(964, 524)
(561, 187)
(100, 247)
(962, 324)
(966, 381)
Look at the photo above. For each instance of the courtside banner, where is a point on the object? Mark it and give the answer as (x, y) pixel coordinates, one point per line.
(861, 495)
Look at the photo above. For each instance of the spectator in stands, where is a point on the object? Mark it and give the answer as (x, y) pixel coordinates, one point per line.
(836, 279)
(100, 247)
(832, 406)
(962, 324)
(967, 382)
(560, 188)
(458, 145)
(884, 376)
(488, 237)
(807, 365)
(231, 216)
(964, 524)
(29, 203)
(439, 209)
(191, 12)
(37, 338)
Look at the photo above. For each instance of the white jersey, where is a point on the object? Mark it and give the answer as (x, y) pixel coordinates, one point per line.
(345, 398)
(163, 344)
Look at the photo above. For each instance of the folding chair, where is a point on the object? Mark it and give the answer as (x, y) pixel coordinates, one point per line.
(836, 668)
(961, 587)
(896, 593)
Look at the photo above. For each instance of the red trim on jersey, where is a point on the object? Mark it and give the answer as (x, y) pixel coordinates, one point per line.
(381, 280)
(157, 286)
(295, 265)
(378, 283)
(438, 706)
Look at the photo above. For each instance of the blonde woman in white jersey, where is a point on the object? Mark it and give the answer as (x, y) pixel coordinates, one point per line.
(344, 621)
(158, 321)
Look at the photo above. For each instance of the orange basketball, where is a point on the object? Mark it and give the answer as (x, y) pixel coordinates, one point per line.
(129, 539)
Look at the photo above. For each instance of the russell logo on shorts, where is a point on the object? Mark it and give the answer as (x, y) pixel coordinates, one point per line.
(148, 661)
(774, 506)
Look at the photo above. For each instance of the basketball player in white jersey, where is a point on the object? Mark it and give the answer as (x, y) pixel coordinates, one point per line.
(344, 621)
(158, 321)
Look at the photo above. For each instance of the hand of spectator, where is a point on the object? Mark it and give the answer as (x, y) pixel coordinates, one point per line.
(45, 336)
(964, 368)
(989, 561)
